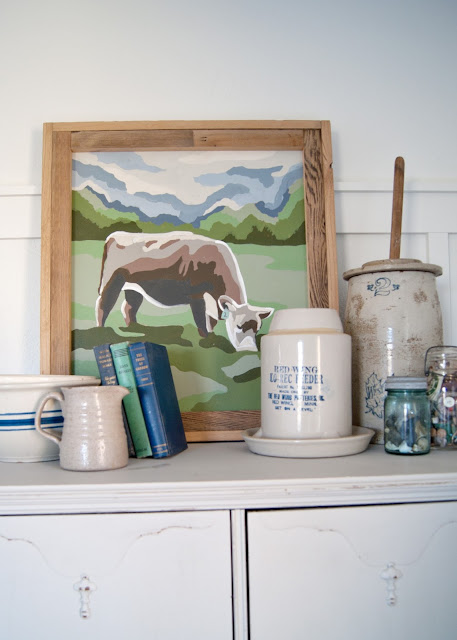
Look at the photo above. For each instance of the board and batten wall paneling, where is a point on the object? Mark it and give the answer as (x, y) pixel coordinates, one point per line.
(363, 216)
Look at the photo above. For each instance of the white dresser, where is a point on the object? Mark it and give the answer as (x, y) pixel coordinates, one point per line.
(218, 543)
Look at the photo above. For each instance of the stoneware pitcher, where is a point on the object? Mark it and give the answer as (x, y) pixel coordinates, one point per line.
(93, 437)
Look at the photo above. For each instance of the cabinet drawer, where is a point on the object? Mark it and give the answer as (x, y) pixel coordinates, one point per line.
(162, 575)
(353, 572)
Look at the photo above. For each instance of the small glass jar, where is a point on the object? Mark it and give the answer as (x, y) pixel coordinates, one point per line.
(441, 372)
(406, 416)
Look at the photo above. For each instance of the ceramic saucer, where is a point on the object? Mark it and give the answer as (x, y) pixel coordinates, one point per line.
(309, 448)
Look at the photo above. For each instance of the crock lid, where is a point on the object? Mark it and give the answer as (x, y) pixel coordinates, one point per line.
(400, 264)
(296, 320)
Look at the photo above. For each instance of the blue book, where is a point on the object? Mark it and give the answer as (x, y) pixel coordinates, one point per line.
(154, 382)
(108, 377)
(131, 402)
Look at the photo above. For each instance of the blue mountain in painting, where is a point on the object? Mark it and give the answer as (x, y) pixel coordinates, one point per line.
(116, 186)
(101, 203)
(104, 203)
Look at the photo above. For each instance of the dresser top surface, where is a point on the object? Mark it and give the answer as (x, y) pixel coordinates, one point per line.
(228, 475)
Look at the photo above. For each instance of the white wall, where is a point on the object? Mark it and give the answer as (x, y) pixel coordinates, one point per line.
(382, 72)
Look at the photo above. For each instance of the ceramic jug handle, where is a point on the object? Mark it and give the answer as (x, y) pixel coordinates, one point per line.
(52, 395)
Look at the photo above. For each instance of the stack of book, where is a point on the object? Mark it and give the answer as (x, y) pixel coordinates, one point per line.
(152, 417)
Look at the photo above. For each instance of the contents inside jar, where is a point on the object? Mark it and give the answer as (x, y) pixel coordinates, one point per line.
(442, 392)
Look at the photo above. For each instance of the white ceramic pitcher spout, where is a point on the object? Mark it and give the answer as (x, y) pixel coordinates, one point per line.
(93, 437)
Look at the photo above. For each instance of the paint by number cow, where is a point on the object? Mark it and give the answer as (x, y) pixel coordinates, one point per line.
(179, 268)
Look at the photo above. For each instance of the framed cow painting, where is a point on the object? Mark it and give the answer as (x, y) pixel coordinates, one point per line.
(190, 235)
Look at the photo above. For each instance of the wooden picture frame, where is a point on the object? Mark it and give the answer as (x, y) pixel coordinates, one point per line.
(61, 140)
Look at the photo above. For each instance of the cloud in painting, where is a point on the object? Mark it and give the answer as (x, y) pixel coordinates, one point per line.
(264, 176)
(129, 161)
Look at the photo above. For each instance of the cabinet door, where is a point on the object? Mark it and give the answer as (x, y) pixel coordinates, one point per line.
(353, 573)
(162, 575)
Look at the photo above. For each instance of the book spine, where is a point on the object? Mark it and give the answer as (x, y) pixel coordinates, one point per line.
(147, 391)
(132, 404)
(108, 377)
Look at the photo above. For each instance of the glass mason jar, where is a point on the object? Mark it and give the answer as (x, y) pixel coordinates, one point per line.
(406, 416)
(441, 372)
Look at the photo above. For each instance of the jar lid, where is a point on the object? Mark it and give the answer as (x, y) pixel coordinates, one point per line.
(440, 357)
(405, 382)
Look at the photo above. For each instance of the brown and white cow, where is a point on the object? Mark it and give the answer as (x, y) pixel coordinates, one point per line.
(176, 268)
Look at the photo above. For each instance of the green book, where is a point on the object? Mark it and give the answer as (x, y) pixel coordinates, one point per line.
(132, 404)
